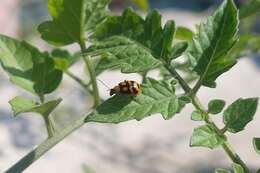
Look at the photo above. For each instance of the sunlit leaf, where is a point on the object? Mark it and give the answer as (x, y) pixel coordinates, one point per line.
(28, 67)
(183, 33)
(143, 4)
(23, 105)
(206, 136)
(197, 116)
(63, 59)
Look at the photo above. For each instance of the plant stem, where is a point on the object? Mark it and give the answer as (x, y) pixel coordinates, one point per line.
(144, 74)
(176, 75)
(196, 103)
(49, 126)
(197, 86)
(45, 146)
(234, 156)
(49, 123)
(224, 129)
(80, 82)
(42, 98)
(226, 146)
(92, 74)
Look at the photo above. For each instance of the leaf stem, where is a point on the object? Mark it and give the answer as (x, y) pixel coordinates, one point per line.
(197, 86)
(196, 103)
(92, 74)
(41, 96)
(234, 156)
(144, 75)
(49, 123)
(79, 81)
(45, 146)
(176, 75)
(224, 129)
(49, 126)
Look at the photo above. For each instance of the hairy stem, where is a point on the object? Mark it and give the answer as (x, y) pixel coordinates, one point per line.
(92, 74)
(196, 103)
(45, 146)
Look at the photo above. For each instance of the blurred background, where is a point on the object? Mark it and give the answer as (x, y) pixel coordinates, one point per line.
(150, 146)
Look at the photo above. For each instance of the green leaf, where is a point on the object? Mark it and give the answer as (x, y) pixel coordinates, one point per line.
(156, 97)
(178, 49)
(96, 11)
(63, 59)
(208, 49)
(256, 142)
(87, 169)
(28, 67)
(246, 46)
(197, 116)
(46, 108)
(206, 136)
(70, 20)
(132, 43)
(23, 105)
(237, 168)
(222, 171)
(183, 33)
(216, 106)
(102, 63)
(125, 54)
(142, 4)
(168, 34)
(239, 114)
(249, 9)
(184, 98)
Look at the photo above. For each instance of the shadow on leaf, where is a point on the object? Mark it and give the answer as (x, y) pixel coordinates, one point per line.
(114, 104)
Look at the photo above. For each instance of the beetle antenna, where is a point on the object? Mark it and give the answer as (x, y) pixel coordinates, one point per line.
(103, 83)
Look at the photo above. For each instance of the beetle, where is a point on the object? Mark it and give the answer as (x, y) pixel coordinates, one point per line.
(127, 87)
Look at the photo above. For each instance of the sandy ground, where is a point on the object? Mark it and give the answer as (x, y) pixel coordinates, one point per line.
(150, 146)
